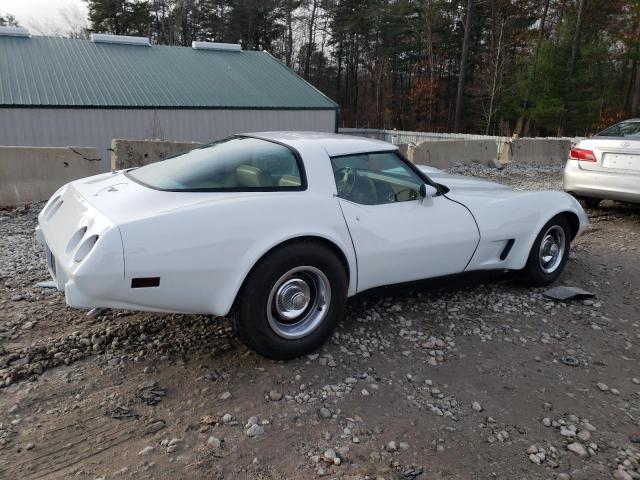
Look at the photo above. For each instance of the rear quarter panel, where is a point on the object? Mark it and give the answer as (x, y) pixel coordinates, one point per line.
(203, 250)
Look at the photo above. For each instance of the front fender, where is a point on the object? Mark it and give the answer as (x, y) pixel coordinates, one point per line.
(516, 215)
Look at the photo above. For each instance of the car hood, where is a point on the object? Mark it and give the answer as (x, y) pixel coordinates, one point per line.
(458, 184)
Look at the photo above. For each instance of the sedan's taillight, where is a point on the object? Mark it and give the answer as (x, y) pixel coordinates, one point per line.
(582, 155)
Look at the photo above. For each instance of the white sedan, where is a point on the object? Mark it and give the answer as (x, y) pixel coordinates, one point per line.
(279, 228)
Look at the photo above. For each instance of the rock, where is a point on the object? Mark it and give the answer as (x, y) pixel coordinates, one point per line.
(226, 418)
(535, 459)
(532, 449)
(476, 406)
(225, 396)
(29, 446)
(622, 474)
(255, 430)
(214, 442)
(330, 456)
(275, 396)
(365, 392)
(546, 422)
(325, 413)
(403, 446)
(146, 450)
(578, 449)
(154, 427)
(584, 435)
(563, 476)
(391, 446)
(603, 387)
(28, 325)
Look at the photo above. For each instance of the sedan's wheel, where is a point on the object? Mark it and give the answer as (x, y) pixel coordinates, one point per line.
(292, 300)
(588, 202)
(549, 253)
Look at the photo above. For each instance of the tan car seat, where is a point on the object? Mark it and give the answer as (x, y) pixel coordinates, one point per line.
(252, 177)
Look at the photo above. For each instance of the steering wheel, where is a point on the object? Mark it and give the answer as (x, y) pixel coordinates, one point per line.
(345, 181)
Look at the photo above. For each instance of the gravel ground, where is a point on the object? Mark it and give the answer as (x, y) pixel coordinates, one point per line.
(473, 378)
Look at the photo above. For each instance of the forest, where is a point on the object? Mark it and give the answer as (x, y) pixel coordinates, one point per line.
(497, 67)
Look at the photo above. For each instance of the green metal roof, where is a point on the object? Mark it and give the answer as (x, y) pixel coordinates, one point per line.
(63, 72)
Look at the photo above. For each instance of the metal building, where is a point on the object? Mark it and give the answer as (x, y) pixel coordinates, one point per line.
(63, 92)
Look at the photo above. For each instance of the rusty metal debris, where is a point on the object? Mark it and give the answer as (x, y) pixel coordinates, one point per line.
(570, 360)
(567, 293)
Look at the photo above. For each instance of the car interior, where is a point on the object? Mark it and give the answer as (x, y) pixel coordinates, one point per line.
(375, 178)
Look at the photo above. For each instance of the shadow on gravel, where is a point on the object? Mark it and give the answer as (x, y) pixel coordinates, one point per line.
(439, 285)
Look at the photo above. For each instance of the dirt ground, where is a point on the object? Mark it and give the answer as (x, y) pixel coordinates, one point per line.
(473, 378)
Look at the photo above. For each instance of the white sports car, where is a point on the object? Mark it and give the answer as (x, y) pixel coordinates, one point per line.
(281, 227)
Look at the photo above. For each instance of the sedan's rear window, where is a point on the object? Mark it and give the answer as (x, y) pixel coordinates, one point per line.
(236, 163)
(623, 129)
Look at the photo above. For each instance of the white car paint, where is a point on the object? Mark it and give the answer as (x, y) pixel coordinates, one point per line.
(203, 245)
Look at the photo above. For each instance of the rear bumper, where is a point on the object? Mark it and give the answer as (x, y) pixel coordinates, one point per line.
(600, 184)
(88, 278)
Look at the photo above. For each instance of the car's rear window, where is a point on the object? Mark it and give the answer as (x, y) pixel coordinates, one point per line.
(233, 164)
(624, 129)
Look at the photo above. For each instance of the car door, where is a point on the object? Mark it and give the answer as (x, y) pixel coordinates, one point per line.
(397, 235)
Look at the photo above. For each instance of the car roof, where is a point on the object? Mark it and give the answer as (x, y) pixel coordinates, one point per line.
(335, 144)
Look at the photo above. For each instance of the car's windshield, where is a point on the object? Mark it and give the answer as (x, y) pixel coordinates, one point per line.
(236, 163)
(623, 129)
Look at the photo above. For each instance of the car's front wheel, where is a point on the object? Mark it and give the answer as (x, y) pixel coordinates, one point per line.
(549, 253)
(292, 300)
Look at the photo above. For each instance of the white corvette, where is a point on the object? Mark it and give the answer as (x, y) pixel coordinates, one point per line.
(281, 227)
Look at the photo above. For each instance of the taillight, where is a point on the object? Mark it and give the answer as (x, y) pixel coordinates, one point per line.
(582, 155)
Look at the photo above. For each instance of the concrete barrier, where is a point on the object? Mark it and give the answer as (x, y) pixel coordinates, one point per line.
(31, 174)
(136, 153)
(541, 152)
(447, 153)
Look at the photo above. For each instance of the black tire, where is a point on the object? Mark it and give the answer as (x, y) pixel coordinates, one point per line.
(533, 273)
(590, 202)
(251, 320)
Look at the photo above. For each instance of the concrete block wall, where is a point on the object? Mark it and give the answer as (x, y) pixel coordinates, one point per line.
(136, 153)
(447, 153)
(31, 174)
(538, 152)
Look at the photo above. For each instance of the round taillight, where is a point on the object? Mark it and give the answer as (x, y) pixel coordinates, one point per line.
(85, 248)
(75, 239)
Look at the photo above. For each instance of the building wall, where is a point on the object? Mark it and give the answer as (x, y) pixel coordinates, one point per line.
(44, 127)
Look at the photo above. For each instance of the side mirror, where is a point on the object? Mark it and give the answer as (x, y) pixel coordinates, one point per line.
(427, 191)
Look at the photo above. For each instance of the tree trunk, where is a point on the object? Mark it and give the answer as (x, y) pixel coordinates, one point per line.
(457, 122)
(635, 103)
(532, 73)
(312, 21)
(575, 50)
(289, 41)
(494, 83)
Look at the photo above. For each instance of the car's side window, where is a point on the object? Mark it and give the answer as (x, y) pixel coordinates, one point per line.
(375, 178)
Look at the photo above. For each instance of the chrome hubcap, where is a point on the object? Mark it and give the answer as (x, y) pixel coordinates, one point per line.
(298, 302)
(552, 249)
(292, 298)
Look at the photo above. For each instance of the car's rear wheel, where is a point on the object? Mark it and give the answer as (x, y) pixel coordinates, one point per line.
(292, 300)
(549, 253)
